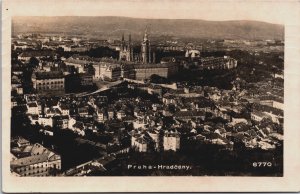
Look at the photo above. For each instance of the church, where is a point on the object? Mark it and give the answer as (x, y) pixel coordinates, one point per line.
(146, 56)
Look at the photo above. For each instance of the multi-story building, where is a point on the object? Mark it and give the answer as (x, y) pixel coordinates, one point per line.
(86, 79)
(110, 113)
(155, 135)
(32, 108)
(218, 63)
(145, 71)
(45, 121)
(25, 56)
(61, 122)
(127, 71)
(110, 72)
(64, 109)
(171, 140)
(34, 160)
(272, 101)
(48, 82)
(188, 115)
(139, 143)
(258, 116)
(101, 115)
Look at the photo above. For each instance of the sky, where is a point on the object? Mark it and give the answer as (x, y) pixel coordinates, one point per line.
(276, 11)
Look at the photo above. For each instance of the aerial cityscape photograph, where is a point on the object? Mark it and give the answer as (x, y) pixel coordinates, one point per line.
(129, 96)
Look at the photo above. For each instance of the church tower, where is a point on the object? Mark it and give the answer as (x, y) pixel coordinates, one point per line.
(123, 43)
(130, 49)
(126, 50)
(146, 51)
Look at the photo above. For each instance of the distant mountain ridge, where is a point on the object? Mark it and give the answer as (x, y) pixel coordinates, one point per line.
(113, 26)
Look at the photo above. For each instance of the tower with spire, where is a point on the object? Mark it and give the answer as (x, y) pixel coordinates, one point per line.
(126, 50)
(146, 48)
(145, 56)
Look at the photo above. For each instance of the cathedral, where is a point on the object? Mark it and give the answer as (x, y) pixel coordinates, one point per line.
(145, 56)
(126, 51)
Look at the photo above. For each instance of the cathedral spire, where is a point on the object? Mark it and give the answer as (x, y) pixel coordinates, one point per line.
(123, 37)
(146, 34)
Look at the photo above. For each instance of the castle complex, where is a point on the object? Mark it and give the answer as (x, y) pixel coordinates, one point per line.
(141, 65)
(130, 65)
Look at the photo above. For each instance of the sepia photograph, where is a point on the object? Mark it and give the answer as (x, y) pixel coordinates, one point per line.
(121, 93)
(119, 96)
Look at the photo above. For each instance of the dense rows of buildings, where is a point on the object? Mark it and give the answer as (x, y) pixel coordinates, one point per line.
(134, 115)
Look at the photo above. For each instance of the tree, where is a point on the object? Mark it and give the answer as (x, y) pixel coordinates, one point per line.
(158, 79)
(266, 122)
(33, 62)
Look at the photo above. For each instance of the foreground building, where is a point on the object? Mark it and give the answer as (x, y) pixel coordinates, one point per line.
(171, 140)
(33, 160)
(150, 139)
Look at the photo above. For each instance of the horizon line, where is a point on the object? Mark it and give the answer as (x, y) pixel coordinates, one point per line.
(144, 18)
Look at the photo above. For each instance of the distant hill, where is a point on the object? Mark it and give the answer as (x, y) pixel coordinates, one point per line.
(107, 26)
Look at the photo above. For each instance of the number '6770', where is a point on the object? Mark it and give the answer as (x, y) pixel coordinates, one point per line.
(262, 164)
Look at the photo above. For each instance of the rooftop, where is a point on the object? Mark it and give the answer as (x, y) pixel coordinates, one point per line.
(35, 159)
(41, 53)
(49, 75)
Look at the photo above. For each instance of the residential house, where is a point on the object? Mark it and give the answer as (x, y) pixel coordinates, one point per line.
(32, 108)
(171, 140)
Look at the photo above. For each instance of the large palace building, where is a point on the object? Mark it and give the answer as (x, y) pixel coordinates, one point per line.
(112, 70)
(49, 82)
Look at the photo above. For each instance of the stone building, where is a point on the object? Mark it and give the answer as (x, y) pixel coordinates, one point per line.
(34, 160)
(144, 71)
(48, 82)
(126, 50)
(147, 54)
